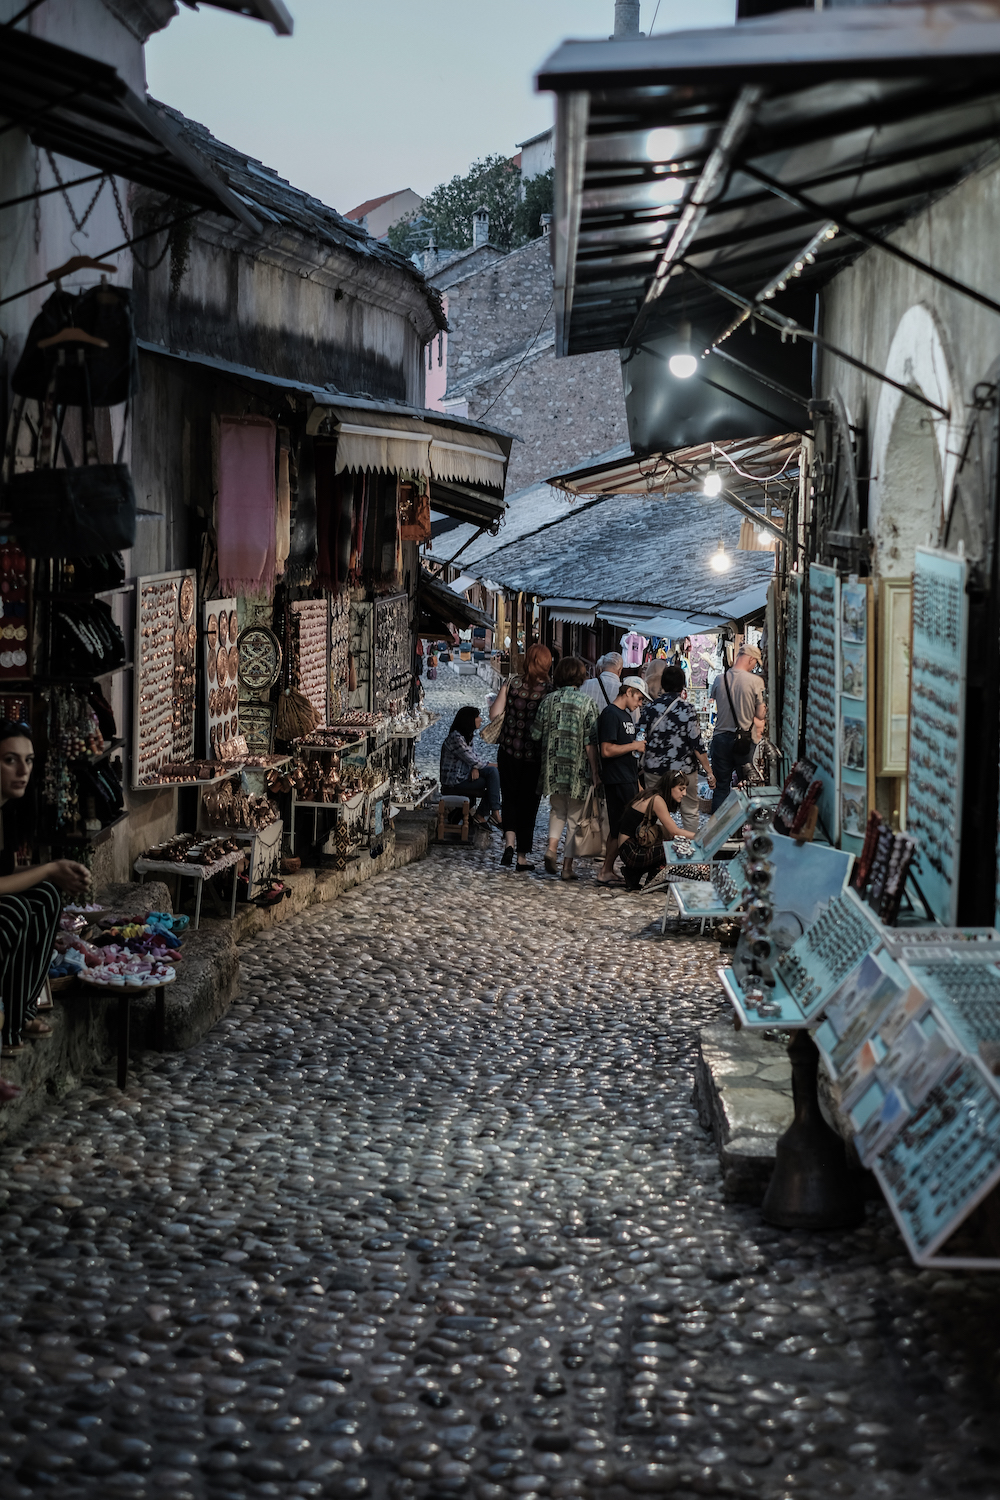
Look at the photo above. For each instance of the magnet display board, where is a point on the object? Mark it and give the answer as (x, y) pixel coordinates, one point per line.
(822, 692)
(937, 725)
(793, 671)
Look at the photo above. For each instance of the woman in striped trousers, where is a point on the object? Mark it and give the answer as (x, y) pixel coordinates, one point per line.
(30, 903)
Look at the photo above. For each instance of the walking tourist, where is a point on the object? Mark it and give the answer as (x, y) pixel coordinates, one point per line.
(673, 739)
(604, 688)
(30, 899)
(645, 823)
(464, 773)
(619, 746)
(563, 730)
(518, 754)
(740, 706)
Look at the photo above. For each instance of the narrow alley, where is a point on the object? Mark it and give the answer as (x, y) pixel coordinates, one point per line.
(430, 1214)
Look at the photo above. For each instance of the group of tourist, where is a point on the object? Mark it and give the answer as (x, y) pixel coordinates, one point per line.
(563, 734)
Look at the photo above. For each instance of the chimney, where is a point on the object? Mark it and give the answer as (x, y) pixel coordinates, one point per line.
(545, 220)
(430, 255)
(626, 18)
(480, 228)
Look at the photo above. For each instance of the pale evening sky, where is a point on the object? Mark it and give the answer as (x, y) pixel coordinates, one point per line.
(367, 98)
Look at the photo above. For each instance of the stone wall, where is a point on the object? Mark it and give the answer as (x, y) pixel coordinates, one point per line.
(562, 410)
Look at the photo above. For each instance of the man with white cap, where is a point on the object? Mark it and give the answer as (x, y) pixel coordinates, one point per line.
(740, 706)
(619, 748)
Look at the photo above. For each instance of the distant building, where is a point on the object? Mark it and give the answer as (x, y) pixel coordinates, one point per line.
(378, 215)
(537, 155)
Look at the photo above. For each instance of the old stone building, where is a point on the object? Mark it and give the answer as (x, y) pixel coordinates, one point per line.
(501, 361)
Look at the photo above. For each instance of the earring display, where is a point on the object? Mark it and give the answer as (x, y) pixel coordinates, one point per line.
(937, 724)
(393, 646)
(340, 648)
(791, 707)
(823, 690)
(310, 617)
(164, 675)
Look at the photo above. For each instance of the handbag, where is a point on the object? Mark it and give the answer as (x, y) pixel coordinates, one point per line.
(493, 728)
(589, 840)
(644, 847)
(743, 745)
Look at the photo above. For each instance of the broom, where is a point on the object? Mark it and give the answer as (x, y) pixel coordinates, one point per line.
(295, 717)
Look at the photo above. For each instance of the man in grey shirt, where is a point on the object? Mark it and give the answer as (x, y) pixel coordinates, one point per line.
(747, 693)
(609, 673)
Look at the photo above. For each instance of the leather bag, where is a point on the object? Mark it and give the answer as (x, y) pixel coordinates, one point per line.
(73, 512)
(589, 841)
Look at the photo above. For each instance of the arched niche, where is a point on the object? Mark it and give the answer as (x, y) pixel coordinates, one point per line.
(913, 449)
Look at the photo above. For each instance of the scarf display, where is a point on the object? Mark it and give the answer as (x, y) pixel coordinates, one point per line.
(300, 568)
(246, 507)
(283, 528)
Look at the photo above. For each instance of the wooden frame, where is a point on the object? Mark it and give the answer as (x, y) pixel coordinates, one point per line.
(892, 676)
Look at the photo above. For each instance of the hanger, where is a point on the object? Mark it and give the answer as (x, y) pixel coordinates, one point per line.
(72, 336)
(79, 263)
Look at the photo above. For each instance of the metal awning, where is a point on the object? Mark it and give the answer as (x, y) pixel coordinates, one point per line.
(438, 600)
(82, 109)
(271, 11)
(751, 157)
(570, 611)
(393, 431)
(746, 469)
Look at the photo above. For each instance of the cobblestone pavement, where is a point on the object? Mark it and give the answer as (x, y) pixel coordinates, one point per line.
(429, 1214)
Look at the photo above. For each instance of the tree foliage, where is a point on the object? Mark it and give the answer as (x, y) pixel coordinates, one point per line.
(494, 184)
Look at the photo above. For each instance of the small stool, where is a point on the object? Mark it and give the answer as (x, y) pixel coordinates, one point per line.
(457, 831)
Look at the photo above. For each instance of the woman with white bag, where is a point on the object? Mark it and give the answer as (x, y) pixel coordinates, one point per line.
(565, 725)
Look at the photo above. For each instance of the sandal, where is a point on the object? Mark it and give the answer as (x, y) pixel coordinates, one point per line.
(37, 1029)
(611, 880)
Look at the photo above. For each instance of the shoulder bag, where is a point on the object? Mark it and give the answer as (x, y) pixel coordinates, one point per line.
(589, 841)
(642, 848)
(743, 744)
(493, 728)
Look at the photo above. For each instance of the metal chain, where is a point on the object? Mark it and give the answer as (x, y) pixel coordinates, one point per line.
(77, 222)
(146, 265)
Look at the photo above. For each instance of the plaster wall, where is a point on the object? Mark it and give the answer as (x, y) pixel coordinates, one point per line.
(495, 312)
(912, 328)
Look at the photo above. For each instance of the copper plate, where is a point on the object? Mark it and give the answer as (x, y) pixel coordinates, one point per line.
(230, 703)
(225, 730)
(186, 601)
(180, 638)
(222, 662)
(223, 628)
(234, 722)
(234, 625)
(192, 636)
(210, 662)
(234, 662)
(213, 734)
(212, 630)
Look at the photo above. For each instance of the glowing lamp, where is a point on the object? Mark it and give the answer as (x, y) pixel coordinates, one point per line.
(713, 483)
(720, 561)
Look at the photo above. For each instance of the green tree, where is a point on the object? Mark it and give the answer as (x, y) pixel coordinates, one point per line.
(493, 183)
(539, 194)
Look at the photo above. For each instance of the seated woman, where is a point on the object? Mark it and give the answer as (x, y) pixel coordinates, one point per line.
(463, 773)
(660, 800)
(30, 899)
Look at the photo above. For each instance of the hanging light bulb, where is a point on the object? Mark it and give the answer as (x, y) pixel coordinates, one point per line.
(713, 483)
(682, 364)
(720, 561)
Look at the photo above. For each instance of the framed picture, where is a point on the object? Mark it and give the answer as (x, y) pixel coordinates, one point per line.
(853, 810)
(853, 734)
(893, 676)
(854, 613)
(853, 670)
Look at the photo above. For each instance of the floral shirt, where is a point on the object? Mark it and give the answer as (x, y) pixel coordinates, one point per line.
(563, 727)
(673, 736)
(523, 702)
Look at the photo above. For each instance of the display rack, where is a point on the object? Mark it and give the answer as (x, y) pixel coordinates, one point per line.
(220, 654)
(855, 711)
(791, 707)
(822, 692)
(937, 725)
(392, 655)
(166, 635)
(311, 618)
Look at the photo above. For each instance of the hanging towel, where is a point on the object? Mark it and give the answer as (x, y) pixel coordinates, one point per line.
(245, 523)
(301, 566)
(282, 543)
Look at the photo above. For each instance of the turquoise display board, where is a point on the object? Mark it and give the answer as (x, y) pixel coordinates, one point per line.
(793, 672)
(937, 726)
(823, 691)
(854, 711)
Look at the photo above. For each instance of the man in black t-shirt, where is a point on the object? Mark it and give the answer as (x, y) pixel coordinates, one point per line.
(616, 737)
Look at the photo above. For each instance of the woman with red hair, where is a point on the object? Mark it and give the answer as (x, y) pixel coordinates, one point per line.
(518, 755)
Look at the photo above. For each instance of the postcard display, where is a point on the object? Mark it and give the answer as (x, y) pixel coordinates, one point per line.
(823, 692)
(166, 633)
(937, 725)
(793, 671)
(855, 704)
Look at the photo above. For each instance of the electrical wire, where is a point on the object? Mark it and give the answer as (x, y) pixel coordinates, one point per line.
(524, 356)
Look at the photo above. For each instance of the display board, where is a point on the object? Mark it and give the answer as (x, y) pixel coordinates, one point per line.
(340, 652)
(310, 616)
(855, 721)
(166, 637)
(790, 708)
(937, 725)
(220, 631)
(821, 737)
(892, 675)
(392, 647)
(806, 877)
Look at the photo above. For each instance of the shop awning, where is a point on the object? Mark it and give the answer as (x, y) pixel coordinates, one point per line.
(395, 443)
(271, 11)
(437, 600)
(743, 155)
(570, 611)
(82, 109)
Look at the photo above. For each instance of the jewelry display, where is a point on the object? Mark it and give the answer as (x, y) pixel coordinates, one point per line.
(752, 963)
(793, 670)
(393, 647)
(309, 618)
(15, 613)
(222, 721)
(797, 795)
(164, 677)
(827, 952)
(937, 697)
(340, 646)
(821, 693)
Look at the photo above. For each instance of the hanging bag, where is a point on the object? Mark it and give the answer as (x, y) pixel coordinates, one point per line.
(743, 745)
(76, 511)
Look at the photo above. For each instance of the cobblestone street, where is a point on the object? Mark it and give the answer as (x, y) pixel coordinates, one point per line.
(430, 1214)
